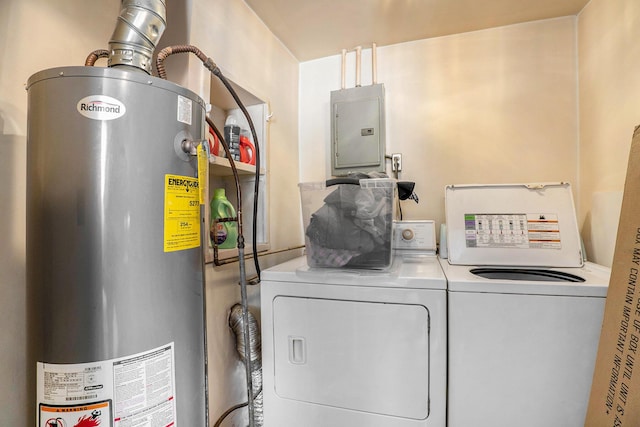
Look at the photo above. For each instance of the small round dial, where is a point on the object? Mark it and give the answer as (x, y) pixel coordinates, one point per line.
(407, 234)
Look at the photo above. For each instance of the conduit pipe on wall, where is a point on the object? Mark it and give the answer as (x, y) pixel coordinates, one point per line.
(344, 66)
(140, 26)
(358, 66)
(374, 65)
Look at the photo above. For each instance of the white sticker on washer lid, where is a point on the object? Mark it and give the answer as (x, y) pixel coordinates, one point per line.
(184, 110)
(544, 231)
(483, 230)
(515, 231)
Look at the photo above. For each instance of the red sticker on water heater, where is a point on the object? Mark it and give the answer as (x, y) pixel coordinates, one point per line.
(101, 107)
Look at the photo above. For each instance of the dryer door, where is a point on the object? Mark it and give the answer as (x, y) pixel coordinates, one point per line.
(363, 356)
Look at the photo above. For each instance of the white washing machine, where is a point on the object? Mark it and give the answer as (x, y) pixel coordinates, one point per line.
(356, 348)
(524, 310)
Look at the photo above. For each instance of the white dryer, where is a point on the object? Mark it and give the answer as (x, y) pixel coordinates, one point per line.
(524, 310)
(351, 348)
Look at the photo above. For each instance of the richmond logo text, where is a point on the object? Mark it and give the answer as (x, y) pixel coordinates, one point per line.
(100, 107)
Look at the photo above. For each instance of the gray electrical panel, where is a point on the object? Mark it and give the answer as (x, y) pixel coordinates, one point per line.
(357, 130)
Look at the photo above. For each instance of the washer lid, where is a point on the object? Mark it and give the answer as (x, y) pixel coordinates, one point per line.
(592, 280)
(512, 224)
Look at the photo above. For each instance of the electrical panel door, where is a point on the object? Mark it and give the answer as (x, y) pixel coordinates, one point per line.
(358, 130)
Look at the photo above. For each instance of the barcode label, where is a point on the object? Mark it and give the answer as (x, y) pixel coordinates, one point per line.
(87, 397)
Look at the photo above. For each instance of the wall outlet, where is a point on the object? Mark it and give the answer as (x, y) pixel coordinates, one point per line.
(396, 162)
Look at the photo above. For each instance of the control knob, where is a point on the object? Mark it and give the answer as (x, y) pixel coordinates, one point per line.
(407, 234)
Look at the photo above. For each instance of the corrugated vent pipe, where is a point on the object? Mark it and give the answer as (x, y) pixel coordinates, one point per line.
(140, 26)
(255, 352)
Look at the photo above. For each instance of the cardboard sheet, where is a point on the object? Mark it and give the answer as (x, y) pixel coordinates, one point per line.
(615, 396)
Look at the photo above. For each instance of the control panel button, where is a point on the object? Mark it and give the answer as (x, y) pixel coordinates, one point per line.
(407, 234)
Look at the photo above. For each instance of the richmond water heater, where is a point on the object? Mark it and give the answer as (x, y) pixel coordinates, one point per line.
(115, 269)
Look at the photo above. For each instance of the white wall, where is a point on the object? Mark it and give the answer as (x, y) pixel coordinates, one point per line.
(609, 60)
(491, 106)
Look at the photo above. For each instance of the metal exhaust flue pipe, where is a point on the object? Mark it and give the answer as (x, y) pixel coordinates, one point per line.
(140, 26)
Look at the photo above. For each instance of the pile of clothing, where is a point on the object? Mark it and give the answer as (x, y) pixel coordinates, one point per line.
(353, 227)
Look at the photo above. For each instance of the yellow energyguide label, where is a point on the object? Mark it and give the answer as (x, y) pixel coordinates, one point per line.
(181, 213)
(203, 172)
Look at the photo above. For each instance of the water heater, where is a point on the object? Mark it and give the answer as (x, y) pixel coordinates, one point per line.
(114, 261)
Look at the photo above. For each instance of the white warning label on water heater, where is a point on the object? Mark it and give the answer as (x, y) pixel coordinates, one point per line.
(520, 231)
(185, 108)
(99, 414)
(136, 390)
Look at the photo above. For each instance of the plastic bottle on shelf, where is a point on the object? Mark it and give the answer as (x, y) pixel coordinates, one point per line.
(247, 150)
(232, 136)
(214, 143)
(224, 234)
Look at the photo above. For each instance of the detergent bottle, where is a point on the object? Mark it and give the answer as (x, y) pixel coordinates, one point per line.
(225, 234)
(247, 150)
(232, 136)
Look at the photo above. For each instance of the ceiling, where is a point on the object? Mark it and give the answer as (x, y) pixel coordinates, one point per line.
(313, 29)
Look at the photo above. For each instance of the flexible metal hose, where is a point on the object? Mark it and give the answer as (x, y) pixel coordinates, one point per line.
(255, 344)
(236, 322)
(94, 56)
(170, 50)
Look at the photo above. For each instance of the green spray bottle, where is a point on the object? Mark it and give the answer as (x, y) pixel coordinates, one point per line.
(225, 234)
